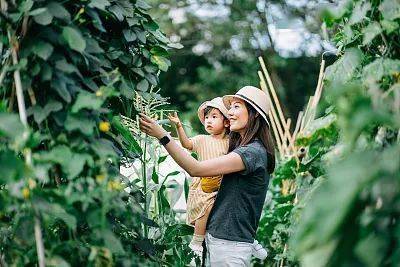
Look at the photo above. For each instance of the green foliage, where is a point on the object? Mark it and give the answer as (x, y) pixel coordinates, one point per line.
(339, 205)
(352, 218)
(81, 64)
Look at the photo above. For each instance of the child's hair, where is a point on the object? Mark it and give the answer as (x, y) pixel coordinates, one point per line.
(256, 127)
(207, 111)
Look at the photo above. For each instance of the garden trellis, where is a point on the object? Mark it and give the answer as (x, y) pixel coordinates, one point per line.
(281, 126)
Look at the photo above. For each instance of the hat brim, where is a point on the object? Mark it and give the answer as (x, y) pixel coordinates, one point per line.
(204, 105)
(227, 99)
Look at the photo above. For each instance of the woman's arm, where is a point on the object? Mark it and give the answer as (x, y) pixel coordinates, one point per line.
(183, 138)
(221, 165)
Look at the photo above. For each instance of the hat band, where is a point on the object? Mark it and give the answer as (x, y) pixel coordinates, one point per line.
(255, 104)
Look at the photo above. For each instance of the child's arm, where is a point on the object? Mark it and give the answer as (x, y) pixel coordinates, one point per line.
(229, 163)
(183, 138)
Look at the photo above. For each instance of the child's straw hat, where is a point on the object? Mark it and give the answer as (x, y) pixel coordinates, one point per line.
(255, 97)
(215, 103)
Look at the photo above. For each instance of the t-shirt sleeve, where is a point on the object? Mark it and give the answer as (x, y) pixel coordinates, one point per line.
(196, 140)
(252, 157)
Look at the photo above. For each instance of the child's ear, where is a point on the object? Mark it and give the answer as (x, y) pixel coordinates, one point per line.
(227, 123)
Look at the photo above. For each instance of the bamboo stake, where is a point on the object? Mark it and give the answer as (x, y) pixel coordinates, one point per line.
(296, 129)
(319, 84)
(28, 155)
(287, 137)
(304, 121)
(265, 89)
(277, 137)
(272, 89)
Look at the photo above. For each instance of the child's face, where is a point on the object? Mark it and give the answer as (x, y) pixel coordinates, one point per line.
(215, 122)
(238, 115)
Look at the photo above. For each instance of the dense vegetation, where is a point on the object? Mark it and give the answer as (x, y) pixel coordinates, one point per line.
(70, 69)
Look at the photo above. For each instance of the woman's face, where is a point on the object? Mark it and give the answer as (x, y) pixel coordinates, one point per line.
(238, 116)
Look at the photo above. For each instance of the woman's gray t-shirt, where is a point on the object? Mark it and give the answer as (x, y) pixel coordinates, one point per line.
(238, 206)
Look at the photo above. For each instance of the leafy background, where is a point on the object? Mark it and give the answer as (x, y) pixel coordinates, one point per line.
(82, 64)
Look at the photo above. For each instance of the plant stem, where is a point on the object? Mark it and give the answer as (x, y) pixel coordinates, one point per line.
(28, 153)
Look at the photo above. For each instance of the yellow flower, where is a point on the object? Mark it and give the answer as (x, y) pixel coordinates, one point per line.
(100, 178)
(31, 183)
(114, 185)
(25, 192)
(104, 126)
(99, 93)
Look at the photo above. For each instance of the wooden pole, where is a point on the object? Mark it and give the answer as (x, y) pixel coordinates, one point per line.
(28, 154)
(274, 115)
(277, 137)
(272, 89)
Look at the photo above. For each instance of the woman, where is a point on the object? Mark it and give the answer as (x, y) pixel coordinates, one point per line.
(233, 222)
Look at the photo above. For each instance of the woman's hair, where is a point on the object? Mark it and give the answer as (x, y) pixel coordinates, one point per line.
(256, 127)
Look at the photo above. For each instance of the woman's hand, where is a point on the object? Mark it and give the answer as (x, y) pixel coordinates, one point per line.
(150, 127)
(174, 119)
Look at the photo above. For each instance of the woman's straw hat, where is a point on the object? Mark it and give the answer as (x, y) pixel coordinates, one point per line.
(254, 96)
(215, 103)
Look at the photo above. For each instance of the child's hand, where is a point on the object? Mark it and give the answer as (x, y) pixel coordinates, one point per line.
(173, 118)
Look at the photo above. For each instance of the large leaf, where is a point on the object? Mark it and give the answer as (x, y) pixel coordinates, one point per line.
(42, 49)
(343, 69)
(381, 67)
(390, 9)
(87, 100)
(43, 18)
(79, 123)
(359, 12)
(74, 38)
(370, 32)
(58, 11)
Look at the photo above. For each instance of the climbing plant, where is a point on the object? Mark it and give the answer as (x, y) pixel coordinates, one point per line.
(67, 69)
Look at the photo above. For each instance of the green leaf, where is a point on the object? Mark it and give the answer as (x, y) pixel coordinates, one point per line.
(42, 49)
(142, 4)
(359, 12)
(381, 67)
(43, 18)
(390, 9)
(117, 11)
(154, 176)
(79, 123)
(71, 163)
(175, 45)
(25, 6)
(41, 114)
(370, 32)
(10, 125)
(100, 4)
(12, 167)
(389, 26)
(92, 46)
(55, 210)
(37, 11)
(58, 11)
(112, 243)
(161, 62)
(344, 68)
(61, 88)
(126, 134)
(74, 39)
(87, 100)
(143, 85)
(64, 66)
(129, 35)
